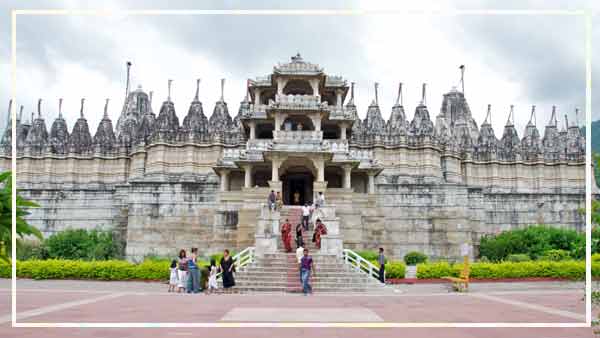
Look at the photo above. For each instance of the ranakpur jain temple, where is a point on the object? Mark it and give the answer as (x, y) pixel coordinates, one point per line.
(404, 184)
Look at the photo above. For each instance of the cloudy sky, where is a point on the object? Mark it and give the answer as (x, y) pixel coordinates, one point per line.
(510, 59)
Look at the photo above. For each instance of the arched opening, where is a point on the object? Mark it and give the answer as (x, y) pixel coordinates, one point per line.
(297, 122)
(298, 87)
(331, 131)
(264, 131)
(297, 177)
(333, 176)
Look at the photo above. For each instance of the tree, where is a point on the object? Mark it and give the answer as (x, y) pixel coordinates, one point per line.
(23, 229)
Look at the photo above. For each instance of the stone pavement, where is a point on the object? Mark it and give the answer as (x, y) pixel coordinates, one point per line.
(136, 302)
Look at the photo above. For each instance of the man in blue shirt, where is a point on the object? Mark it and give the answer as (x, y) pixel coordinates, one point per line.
(306, 267)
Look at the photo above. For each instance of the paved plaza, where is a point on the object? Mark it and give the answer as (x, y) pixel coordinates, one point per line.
(136, 302)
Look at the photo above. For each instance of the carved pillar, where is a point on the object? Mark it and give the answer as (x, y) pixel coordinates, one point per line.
(275, 163)
(343, 131)
(279, 86)
(320, 170)
(256, 96)
(252, 130)
(224, 180)
(314, 83)
(338, 101)
(248, 176)
(347, 176)
(371, 182)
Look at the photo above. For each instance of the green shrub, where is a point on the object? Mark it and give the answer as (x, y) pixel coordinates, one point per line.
(596, 257)
(81, 244)
(414, 258)
(533, 241)
(370, 255)
(518, 258)
(555, 255)
(574, 270)
(395, 270)
(31, 249)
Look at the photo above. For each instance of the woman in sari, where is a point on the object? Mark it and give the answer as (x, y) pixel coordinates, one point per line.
(320, 230)
(286, 235)
(228, 268)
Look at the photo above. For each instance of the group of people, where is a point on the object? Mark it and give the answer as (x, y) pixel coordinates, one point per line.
(186, 275)
(286, 234)
(275, 201)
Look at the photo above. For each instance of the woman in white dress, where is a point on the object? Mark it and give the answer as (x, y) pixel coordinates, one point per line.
(212, 276)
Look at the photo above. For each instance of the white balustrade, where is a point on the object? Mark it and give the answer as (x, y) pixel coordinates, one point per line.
(242, 259)
(294, 136)
(358, 263)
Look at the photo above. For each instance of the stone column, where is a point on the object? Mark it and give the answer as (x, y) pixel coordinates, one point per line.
(224, 180)
(252, 130)
(314, 83)
(320, 170)
(343, 131)
(256, 96)
(347, 176)
(371, 182)
(338, 100)
(279, 86)
(275, 169)
(248, 176)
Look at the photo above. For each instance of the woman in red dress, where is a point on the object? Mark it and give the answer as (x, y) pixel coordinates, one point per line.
(320, 230)
(286, 235)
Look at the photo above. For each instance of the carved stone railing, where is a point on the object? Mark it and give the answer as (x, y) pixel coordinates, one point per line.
(298, 68)
(296, 136)
(255, 111)
(335, 146)
(298, 102)
(259, 145)
(361, 154)
(340, 113)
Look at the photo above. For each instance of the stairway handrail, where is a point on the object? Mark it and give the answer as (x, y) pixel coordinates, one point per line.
(360, 264)
(242, 259)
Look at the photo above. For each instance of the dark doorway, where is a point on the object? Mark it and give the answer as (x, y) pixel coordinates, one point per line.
(297, 188)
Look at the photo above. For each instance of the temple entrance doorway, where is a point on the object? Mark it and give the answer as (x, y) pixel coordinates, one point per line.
(297, 188)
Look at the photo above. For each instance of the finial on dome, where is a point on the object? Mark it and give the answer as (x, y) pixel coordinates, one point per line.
(150, 94)
(127, 84)
(351, 93)
(39, 109)
(81, 109)
(399, 99)
(20, 113)
(566, 122)
(424, 94)
(106, 108)
(576, 116)
(169, 90)
(9, 109)
(60, 108)
(222, 90)
(462, 78)
(297, 57)
(533, 117)
(510, 120)
(553, 120)
(376, 94)
(197, 89)
(488, 116)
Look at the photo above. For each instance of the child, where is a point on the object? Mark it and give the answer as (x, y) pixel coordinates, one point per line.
(173, 277)
(212, 276)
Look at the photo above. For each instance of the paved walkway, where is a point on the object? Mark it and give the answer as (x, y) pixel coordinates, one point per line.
(135, 302)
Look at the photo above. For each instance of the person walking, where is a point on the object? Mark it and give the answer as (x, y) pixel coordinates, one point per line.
(194, 273)
(182, 271)
(173, 280)
(299, 238)
(381, 261)
(272, 200)
(305, 215)
(320, 230)
(228, 268)
(286, 235)
(306, 267)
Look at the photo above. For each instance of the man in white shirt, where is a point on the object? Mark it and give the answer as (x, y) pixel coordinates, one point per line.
(305, 216)
(299, 253)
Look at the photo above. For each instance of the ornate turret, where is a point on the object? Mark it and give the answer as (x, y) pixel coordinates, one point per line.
(59, 133)
(575, 142)
(80, 141)
(509, 144)
(487, 143)
(421, 125)
(104, 140)
(220, 120)
(551, 147)
(195, 123)
(167, 124)
(531, 144)
(37, 138)
(397, 124)
(23, 128)
(458, 114)
(6, 141)
(357, 132)
(374, 124)
(146, 127)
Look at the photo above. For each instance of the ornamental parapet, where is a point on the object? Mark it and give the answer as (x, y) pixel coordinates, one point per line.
(298, 136)
(297, 102)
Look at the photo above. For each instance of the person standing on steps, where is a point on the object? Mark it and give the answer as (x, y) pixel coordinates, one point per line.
(305, 215)
(278, 201)
(320, 230)
(299, 238)
(320, 200)
(286, 235)
(272, 200)
(306, 267)
(296, 198)
(381, 261)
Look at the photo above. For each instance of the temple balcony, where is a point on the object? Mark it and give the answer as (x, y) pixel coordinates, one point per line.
(259, 145)
(298, 136)
(340, 113)
(297, 102)
(336, 146)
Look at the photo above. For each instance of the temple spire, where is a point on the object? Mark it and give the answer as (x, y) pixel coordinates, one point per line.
(10, 102)
(510, 120)
(399, 99)
(60, 108)
(533, 117)
(376, 94)
(127, 85)
(197, 90)
(577, 116)
(566, 122)
(351, 94)
(462, 78)
(81, 109)
(488, 116)
(106, 108)
(223, 89)
(169, 90)
(424, 95)
(553, 120)
(20, 113)
(39, 110)
(150, 98)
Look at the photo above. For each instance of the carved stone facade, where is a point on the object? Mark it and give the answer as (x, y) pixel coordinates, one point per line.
(405, 184)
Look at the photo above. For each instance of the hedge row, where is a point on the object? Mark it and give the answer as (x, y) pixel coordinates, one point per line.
(574, 270)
